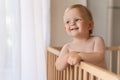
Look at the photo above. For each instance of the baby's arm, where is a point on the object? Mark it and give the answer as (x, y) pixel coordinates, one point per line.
(61, 62)
(98, 54)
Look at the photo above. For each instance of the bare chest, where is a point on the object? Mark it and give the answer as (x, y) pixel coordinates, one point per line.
(82, 47)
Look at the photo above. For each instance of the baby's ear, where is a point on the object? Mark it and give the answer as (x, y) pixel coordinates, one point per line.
(64, 28)
(91, 25)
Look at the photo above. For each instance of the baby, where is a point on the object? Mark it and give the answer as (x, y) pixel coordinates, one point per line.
(79, 24)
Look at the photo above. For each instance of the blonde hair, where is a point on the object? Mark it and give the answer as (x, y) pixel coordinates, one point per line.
(79, 6)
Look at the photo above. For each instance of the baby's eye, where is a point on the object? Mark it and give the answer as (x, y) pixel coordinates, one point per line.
(77, 19)
(67, 22)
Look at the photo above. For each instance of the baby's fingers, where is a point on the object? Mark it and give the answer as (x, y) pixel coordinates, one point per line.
(70, 61)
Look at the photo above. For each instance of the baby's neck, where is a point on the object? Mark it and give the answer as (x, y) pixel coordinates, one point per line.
(81, 39)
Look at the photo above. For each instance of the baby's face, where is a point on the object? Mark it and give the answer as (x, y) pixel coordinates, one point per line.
(77, 22)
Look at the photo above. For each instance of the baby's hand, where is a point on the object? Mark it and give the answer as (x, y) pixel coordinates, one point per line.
(74, 58)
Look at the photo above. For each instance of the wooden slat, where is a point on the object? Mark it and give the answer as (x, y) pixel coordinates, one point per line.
(64, 75)
(111, 61)
(91, 77)
(84, 75)
(47, 65)
(71, 72)
(55, 69)
(80, 73)
(118, 62)
(76, 72)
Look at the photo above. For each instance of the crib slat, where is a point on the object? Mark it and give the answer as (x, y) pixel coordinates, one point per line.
(54, 66)
(118, 62)
(60, 78)
(85, 75)
(91, 77)
(76, 72)
(55, 69)
(48, 65)
(64, 75)
(110, 61)
(57, 75)
(71, 72)
(61, 75)
(80, 73)
(68, 73)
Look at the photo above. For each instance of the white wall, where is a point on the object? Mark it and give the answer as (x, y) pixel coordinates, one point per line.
(114, 22)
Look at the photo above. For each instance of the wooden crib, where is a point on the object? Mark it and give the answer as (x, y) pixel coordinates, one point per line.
(84, 71)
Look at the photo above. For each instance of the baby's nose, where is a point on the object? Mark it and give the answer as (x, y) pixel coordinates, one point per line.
(72, 23)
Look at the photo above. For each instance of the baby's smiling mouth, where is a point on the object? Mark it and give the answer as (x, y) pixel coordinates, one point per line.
(76, 28)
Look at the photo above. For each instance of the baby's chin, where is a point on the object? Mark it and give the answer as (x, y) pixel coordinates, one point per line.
(75, 34)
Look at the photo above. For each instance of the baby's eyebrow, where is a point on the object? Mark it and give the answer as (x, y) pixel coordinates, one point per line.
(66, 20)
(73, 18)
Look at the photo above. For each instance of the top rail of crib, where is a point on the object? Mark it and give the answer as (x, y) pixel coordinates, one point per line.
(113, 48)
(54, 50)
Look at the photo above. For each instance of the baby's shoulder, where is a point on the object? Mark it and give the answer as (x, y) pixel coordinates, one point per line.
(67, 45)
(65, 48)
(97, 39)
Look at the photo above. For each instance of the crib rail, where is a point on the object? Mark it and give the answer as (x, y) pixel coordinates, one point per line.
(114, 59)
(84, 71)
